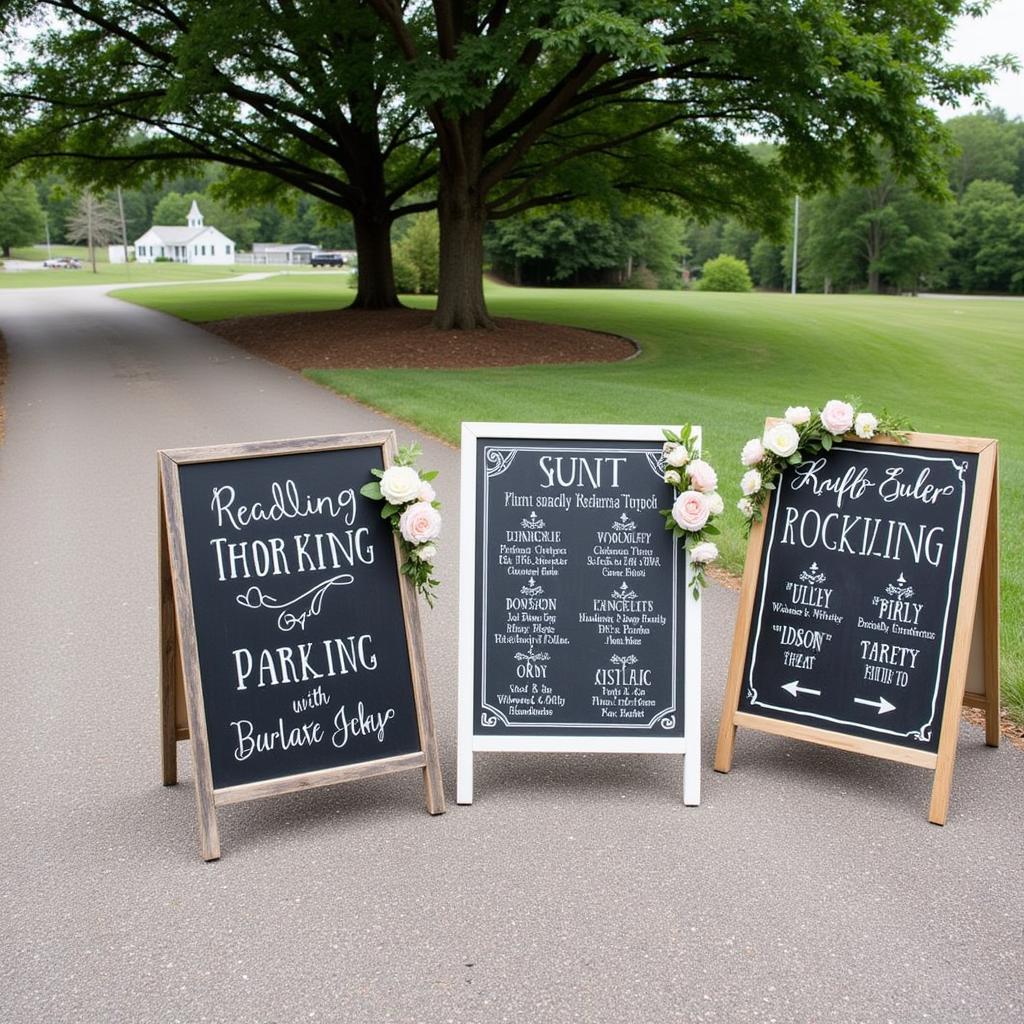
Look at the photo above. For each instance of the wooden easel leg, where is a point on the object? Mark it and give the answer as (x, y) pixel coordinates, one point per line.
(432, 782)
(990, 612)
(168, 661)
(726, 744)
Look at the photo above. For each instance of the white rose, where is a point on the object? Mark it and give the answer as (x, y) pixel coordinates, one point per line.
(426, 492)
(420, 523)
(782, 439)
(746, 506)
(751, 482)
(753, 452)
(798, 415)
(425, 553)
(400, 484)
(678, 456)
(704, 552)
(671, 476)
(715, 503)
(702, 476)
(865, 425)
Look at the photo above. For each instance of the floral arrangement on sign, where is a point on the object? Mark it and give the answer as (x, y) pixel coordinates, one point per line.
(697, 502)
(800, 435)
(411, 506)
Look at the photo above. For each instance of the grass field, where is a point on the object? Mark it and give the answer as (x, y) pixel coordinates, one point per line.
(106, 273)
(725, 361)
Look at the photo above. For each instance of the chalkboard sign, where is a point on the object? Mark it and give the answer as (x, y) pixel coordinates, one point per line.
(578, 631)
(859, 600)
(298, 651)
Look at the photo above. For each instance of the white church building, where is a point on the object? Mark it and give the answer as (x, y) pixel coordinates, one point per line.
(196, 243)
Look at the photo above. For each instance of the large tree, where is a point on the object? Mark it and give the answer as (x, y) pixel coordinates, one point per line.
(21, 216)
(509, 105)
(295, 93)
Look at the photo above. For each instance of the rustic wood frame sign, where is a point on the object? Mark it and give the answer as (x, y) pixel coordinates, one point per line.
(869, 613)
(291, 654)
(578, 631)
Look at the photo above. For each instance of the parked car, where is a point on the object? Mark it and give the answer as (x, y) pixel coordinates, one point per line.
(63, 263)
(327, 259)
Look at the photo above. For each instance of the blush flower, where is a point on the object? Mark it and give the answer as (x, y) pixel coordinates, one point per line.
(704, 552)
(798, 415)
(420, 523)
(837, 417)
(678, 456)
(715, 503)
(691, 511)
(746, 506)
(753, 452)
(672, 477)
(702, 476)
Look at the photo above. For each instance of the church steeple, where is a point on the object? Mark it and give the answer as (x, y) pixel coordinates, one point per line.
(195, 218)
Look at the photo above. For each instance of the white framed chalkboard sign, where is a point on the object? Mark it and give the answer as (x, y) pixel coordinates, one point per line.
(577, 629)
(291, 654)
(869, 612)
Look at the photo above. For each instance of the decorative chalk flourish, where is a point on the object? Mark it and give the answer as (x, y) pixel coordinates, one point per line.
(255, 598)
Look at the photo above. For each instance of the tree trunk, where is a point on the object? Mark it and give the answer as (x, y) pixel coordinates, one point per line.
(461, 216)
(373, 252)
(7, 251)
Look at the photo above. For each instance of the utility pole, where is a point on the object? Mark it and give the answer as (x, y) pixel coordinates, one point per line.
(796, 243)
(49, 250)
(124, 230)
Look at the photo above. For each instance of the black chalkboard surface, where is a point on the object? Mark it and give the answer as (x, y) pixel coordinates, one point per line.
(296, 614)
(858, 590)
(581, 617)
(861, 601)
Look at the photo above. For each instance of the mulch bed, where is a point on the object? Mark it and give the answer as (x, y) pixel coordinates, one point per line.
(357, 339)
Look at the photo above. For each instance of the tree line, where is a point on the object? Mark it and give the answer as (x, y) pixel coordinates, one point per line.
(481, 110)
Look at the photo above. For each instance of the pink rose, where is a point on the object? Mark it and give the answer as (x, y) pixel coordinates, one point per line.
(691, 511)
(702, 476)
(837, 417)
(420, 523)
(426, 492)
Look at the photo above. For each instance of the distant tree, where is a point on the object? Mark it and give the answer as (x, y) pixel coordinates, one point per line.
(870, 235)
(766, 264)
(725, 274)
(416, 256)
(21, 216)
(94, 221)
(988, 250)
(987, 146)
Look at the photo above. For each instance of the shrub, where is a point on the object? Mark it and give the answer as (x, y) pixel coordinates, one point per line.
(416, 257)
(642, 277)
(725, 274)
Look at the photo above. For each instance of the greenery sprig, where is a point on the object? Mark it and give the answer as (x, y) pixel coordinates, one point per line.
(411, 507)
(802, 434)
(697, 502)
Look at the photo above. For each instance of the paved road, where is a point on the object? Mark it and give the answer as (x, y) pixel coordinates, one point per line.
(808, 887)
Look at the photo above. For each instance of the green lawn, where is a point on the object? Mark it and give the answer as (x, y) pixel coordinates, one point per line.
(725, 361)
(111, 273)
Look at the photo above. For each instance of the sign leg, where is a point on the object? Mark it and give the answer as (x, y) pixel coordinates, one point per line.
(464, 781)
(168, 661)
(990, 613)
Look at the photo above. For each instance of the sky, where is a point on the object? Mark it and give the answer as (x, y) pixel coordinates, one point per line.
(1000, 31)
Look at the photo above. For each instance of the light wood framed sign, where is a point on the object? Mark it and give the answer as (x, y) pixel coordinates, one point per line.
(577, 629)
(869, 613)
(291, 654)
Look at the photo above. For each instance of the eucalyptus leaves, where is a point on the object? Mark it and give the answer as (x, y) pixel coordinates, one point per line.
(411, 507)
(697, 502)
(799, 435)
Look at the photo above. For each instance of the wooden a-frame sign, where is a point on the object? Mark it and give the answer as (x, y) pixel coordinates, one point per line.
(969, 656)
(185, 693)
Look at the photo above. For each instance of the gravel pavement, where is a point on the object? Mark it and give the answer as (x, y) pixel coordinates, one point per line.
(808, 887)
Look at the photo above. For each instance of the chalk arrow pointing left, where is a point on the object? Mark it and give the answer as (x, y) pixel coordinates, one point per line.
(795, 688)
(882, 704)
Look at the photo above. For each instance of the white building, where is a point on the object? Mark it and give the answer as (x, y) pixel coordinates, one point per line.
(196, 243)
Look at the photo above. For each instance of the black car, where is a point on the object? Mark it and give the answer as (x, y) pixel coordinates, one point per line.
(327, 259)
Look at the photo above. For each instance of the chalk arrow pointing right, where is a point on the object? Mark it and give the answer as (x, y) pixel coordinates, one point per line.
(795, 688)
(882, 704)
